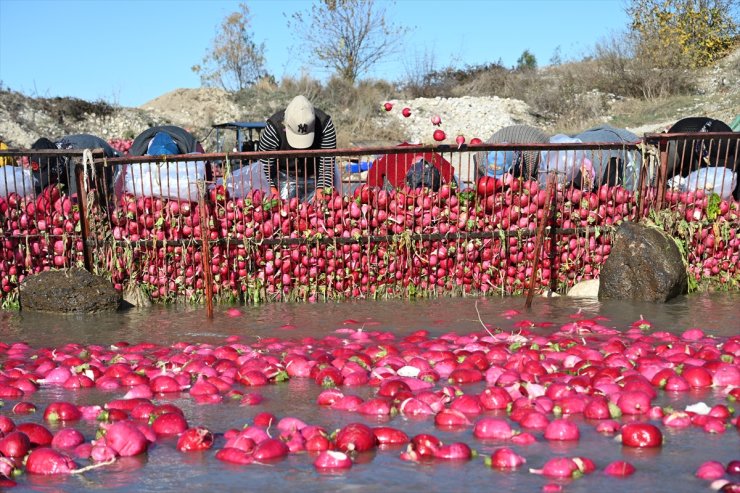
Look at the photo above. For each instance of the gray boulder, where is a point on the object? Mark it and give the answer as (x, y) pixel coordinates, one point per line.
(72, 290)
(645, 264)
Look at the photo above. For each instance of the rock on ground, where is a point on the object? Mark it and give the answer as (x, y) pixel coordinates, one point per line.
(645, 264)
(72, 290)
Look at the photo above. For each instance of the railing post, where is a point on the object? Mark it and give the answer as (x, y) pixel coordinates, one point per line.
(540, 238)
(205, 250)
(662, 179)
(84, 222)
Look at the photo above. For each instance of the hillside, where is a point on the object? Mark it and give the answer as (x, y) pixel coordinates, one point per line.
(24, 119)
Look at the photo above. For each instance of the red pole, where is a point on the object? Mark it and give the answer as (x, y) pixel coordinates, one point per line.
(540, 238)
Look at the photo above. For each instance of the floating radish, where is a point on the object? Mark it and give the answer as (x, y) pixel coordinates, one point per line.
(331, 460)
(505, 459)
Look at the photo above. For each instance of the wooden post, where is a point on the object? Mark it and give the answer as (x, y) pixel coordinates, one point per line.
(205, 251)
(540, 238)
(662, 179)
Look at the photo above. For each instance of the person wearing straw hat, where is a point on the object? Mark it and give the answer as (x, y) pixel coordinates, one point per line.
(299, 126)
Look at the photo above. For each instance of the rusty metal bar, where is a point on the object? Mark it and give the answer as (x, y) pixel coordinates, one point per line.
(540, 238)
(84, 220)
(206, 252)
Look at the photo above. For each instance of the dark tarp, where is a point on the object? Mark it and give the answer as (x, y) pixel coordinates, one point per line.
(186, 142)
(612, 166)
(84, 141)
(521, 163)
(45, 169)
(685, 156)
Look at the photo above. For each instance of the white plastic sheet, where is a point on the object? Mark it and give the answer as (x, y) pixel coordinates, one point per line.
(16, 179)
(176, 180)
(721, 181)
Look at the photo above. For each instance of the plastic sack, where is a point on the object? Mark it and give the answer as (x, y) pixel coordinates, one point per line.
(721, 181)
(16, 179)
(565, 163)
(241, 181)
(498, 163)
(176, 180)
(304, 187)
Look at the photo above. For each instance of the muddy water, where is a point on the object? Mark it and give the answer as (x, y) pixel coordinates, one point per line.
(164, 469)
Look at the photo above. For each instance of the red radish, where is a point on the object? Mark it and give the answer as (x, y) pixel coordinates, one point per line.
(454, 451)
(356, 437)
(710, 470)
(634, 402)
(15, 444)
(450, 418)
(235, 456)
(378, 406)
(733, 467)
(436, 120)
(318, 442)
(38, 434)
(505, 459)
(406, 112)
(386, 435)
(388, 106)
(270, 449)
(47, 461)
(62, 411)
(126, 439)
(332, 460)
(195, 440)
(619, 468)
(460, 140)
(6, 425)
(251, 399)
(439, 135)
(475, 141)
(425, 445)
(168, 424)
(242, 442)
(523, 438)
(562, 429)
(24, 407)
(697, 376)
(559, 467)
(492, 429)
(264, 419)
(641, 435)
(67, 438)
(493, 398)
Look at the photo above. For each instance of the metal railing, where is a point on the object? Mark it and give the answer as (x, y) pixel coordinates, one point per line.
(202, 226)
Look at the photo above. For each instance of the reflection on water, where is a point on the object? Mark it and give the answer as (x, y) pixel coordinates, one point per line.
(715, 313)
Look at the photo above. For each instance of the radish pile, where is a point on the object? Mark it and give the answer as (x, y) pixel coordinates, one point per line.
(121, 145)
(368, 245)
(509, 390)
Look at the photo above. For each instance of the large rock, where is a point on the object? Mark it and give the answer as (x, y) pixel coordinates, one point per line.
(645, 264)
(72, 290)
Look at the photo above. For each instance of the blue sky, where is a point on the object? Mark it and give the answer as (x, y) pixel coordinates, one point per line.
(128, 52)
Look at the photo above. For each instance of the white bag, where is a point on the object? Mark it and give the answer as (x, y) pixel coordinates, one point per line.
(16, 179)
(565, 164)
(176, 180)
(241, 181)
(721, 181)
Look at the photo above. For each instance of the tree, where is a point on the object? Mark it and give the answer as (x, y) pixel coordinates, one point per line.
(234, 61)
(348, 36)
(682, 33)
(526, 61)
